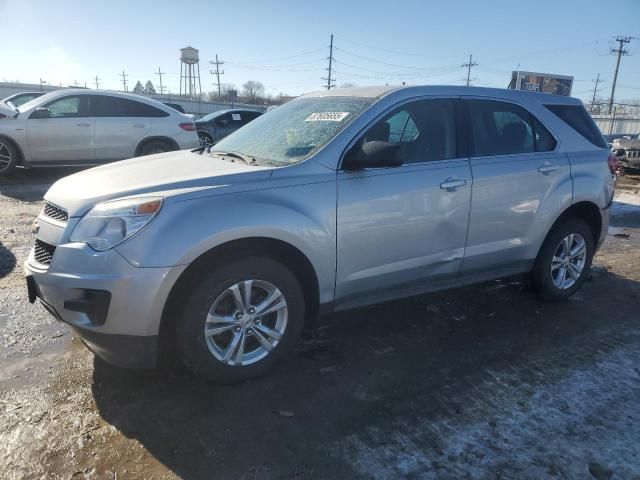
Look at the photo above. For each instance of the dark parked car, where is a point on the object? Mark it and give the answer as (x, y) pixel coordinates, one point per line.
(21, 98)
(175, 106)
(215, 126)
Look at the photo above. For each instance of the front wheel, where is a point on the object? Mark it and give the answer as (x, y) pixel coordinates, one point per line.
(564, 261)
(8, 158)
(205, 139)
(239, 321)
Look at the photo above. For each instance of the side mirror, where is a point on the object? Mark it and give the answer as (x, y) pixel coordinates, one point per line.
(40, 112)
(374, 154)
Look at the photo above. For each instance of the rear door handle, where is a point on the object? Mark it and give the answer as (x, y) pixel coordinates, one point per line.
(547, 168)
(83, 124)
(138, 125)
(451, 184)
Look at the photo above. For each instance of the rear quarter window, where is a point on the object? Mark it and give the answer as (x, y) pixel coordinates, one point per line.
(577, 118)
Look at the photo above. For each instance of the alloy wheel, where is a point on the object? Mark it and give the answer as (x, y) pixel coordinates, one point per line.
(5, 157)
(568, 261)
(246, 322)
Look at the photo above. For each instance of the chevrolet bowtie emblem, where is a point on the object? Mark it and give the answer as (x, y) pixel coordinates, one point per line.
(35, 228)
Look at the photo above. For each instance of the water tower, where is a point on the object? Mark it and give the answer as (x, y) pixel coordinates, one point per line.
(190, 72)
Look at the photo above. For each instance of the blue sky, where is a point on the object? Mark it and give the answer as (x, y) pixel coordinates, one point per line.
(284, 44)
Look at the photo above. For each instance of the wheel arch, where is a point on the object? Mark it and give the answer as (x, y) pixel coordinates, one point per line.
(14, 144)
(160, 138)
(284, 252)
(587, 211)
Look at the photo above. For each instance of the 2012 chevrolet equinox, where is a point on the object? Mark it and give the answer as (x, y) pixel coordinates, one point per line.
(334, 200)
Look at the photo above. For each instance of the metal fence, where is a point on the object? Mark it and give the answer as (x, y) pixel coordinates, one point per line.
(620, 124)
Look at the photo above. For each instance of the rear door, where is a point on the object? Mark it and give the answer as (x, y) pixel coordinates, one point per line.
(519, 180)
(121, 124)
(66, 136)
(402, 230)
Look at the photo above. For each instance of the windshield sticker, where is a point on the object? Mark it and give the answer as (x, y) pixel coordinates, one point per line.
(327, 117)
(235, 117)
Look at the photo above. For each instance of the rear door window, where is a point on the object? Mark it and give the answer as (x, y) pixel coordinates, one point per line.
(578, 119)
(503, 128)
(107, 106)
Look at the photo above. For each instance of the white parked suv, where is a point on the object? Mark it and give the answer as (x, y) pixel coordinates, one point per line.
(89, 127)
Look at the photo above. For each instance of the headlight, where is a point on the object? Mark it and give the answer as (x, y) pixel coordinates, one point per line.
(110, 223)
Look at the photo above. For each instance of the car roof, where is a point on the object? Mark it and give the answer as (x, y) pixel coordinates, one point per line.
(85, 91)
(455, 90)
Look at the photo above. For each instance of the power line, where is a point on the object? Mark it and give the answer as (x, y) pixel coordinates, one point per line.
(287, 57)
(620, 51)
(217, 73)
(330, 83)
(469, 65)
(124, 76)
(408, 67)
(160, 73)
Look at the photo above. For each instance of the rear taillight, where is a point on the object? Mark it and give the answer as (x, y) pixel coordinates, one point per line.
(189, 127)
(614, 165)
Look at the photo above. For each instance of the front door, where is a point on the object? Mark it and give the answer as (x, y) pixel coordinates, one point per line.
(402, 230)
(67, 135)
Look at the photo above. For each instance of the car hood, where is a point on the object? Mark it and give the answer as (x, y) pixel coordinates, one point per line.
(7, 110)
(167, 173)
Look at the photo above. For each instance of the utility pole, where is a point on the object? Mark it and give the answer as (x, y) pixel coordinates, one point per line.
(160, 73)
(595, 91)
(620, 51)
(97, 82)
(42, 82)
(217, 72)
(124, 81)
(330, 81)
(75, 82)
(469, 65)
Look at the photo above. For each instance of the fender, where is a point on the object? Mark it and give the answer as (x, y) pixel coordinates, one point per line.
(186, 229)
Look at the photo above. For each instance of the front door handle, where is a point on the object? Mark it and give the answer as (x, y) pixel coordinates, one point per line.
(547, 168)
(83, 125)
(451, 184)
(138, 125)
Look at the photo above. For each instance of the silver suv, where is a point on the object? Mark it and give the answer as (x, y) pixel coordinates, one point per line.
(334, 200)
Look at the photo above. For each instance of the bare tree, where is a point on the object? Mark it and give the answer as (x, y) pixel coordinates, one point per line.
(253, 90)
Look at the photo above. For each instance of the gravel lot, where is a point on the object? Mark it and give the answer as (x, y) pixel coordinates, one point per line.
(480, 382)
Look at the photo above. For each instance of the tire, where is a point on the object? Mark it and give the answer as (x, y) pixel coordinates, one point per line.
(205, 139)
(8, 157)
(155, 146)
(211, 304)
(550, 284)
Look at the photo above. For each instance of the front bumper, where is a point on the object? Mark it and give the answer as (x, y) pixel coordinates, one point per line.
(113, 306)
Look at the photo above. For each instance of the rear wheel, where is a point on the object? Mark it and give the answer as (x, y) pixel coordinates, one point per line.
(239, 321)
(154, 146)
(8, 157)
(564, 261)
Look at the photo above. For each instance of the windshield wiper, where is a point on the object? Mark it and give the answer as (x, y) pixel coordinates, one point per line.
(247, 159)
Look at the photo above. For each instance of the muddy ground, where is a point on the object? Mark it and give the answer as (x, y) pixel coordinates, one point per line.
(481, 382)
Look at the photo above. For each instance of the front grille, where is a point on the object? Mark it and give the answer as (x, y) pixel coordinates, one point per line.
(43, 252)
(57, 213)
(633, 153)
